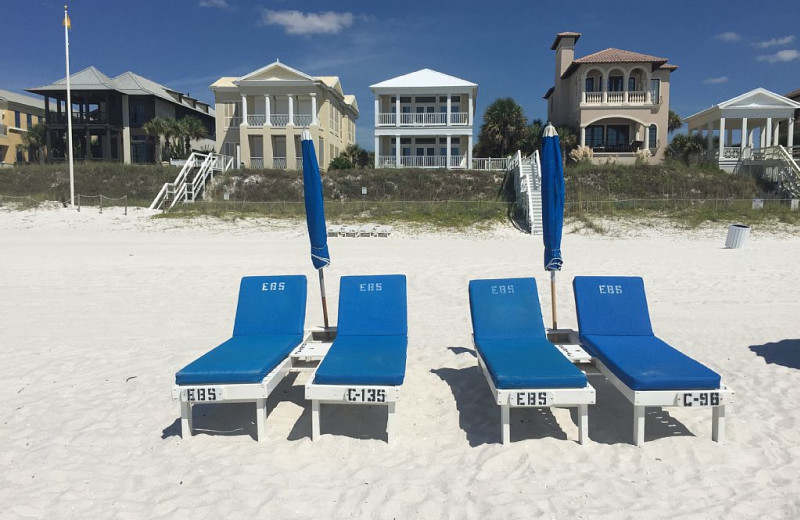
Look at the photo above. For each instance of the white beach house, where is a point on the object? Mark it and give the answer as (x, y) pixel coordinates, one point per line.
(424, 120)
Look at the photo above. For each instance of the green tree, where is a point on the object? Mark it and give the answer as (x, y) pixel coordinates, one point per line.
(357, 156)
(156, 127)
(674, 122)
(340, 163)
(35, 140)
(503, 129)
(172, 139)
(532, 140)
(687, 149)
(190, 128)
(568, 138)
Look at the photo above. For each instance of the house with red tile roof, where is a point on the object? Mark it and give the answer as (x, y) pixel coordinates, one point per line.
(617, 100)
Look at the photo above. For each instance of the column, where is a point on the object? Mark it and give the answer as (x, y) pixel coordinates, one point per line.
(397, 145)
(768, 138)
(449, 111)
(448, 137)
(583, 135)
(710, 136)
(790, 135)
(377, 149)
(88, 153)
(721, 136)
(267, 110)
(397, 115)
(469, 147)
(776, 133)
(291, 121)
(314, 109)
(244, 110)
(126, 131)
(469, 118)
(744, 134)
(646, 143)
(268, 152)
(107, 145)
(377, 117)
(625, 88)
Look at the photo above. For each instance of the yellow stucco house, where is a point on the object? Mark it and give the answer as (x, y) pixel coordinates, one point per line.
(17, 113)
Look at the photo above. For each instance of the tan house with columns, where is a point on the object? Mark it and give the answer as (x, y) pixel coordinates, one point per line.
(617, 100)
(262, 114)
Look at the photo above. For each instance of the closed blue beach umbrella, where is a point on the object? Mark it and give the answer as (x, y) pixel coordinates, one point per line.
(315, 215)
(552, 207)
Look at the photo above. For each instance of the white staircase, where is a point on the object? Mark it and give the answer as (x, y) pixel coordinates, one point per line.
(789, 174)
(528, 185)
(191, 181)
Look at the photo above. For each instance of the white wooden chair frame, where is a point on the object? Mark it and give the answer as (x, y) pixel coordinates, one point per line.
(641, 399)
(579, 398)
(303, 358)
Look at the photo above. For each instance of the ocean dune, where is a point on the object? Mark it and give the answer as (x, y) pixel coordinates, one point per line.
(98, 312)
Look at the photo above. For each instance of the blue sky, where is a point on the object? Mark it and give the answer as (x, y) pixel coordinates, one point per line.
(722, 48)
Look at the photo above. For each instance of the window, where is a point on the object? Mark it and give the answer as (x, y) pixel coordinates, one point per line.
(615, 83)
(655, 90)
(138, 114)
(425, 99)
(653, 137)
(322, 151)
(229, 148)
(617, 135)
(20, 156)
(16, 119)
(589, 85)
(30, 120)
(631, 84)
(594, 136)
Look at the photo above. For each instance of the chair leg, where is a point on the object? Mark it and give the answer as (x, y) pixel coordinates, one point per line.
(261, 419)
(186, 420)
(638, 425)
(314, 419)
(718, 424)
(505, 423)
(583, 423)
(390, 422)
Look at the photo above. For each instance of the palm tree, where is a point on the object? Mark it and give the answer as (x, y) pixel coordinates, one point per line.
(357, 156)
(674, 122)
(503, 129)
(191, 128)
(34, 140)
(172, 136)
(533, 137)
(156, 127)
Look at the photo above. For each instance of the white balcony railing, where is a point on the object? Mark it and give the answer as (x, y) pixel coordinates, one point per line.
(279, 119)
(299, 163)
(637, 97)
(256, 120)
(615, 97)
(731, 153)
(479, 163)
(594, 98)
(302, 120)
(386, 119)
(618, 98)
(279, 163)
(257, 163)
(459, 118)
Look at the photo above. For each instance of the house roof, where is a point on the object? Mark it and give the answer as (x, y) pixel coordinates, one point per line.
(793, 94)
(21, 99)
(128, 83)
(424, 78)
(567, 34)
(548, 93)
(612, 55)
(756, 99)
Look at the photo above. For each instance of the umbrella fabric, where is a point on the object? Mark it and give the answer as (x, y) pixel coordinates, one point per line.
(315, 210)
(552, 199)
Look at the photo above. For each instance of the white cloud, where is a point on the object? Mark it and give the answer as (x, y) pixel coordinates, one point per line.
(715, 81)
(781, 56)
(297, 22)
(222, 4)
(728, 37)
(775, 42)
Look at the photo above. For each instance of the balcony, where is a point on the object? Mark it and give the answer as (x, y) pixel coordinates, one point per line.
(423, 119)
(88, 118)
(279, 120)
(437, 161)
(619, 98)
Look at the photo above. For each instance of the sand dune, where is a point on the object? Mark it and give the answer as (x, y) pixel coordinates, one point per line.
(99, 311)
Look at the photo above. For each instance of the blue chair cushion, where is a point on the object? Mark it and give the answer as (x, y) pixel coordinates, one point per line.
(364, 360)
(271, 305)
(505, 308)
(528, 363)
(611, 305)
(647, 363)
(241, 359)
(373, 306)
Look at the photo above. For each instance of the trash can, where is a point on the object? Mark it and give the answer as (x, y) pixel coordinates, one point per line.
(737, 235)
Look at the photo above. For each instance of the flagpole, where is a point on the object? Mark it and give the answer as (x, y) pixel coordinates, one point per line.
(69, 113)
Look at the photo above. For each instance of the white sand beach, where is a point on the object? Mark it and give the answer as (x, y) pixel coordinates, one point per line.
(98, 312)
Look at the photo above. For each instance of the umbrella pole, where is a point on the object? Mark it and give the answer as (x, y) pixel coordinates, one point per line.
(553, 297)
(324, 300)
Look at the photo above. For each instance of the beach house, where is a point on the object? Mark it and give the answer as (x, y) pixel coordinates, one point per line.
(108, 115)
(262, 115)
(795, 96)
(424, 120)
(17, 114)
(617, 100)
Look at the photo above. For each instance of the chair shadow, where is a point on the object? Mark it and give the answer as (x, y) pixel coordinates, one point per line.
(611, 418)
(479, 415)
(785, 352)
(462, 350)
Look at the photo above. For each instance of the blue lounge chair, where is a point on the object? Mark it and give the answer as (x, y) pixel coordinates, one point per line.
(523, 368)
(614, 326)
(269, 325)
(366, 363)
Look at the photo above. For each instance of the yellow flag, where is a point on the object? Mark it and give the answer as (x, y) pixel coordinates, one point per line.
(67, 21)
